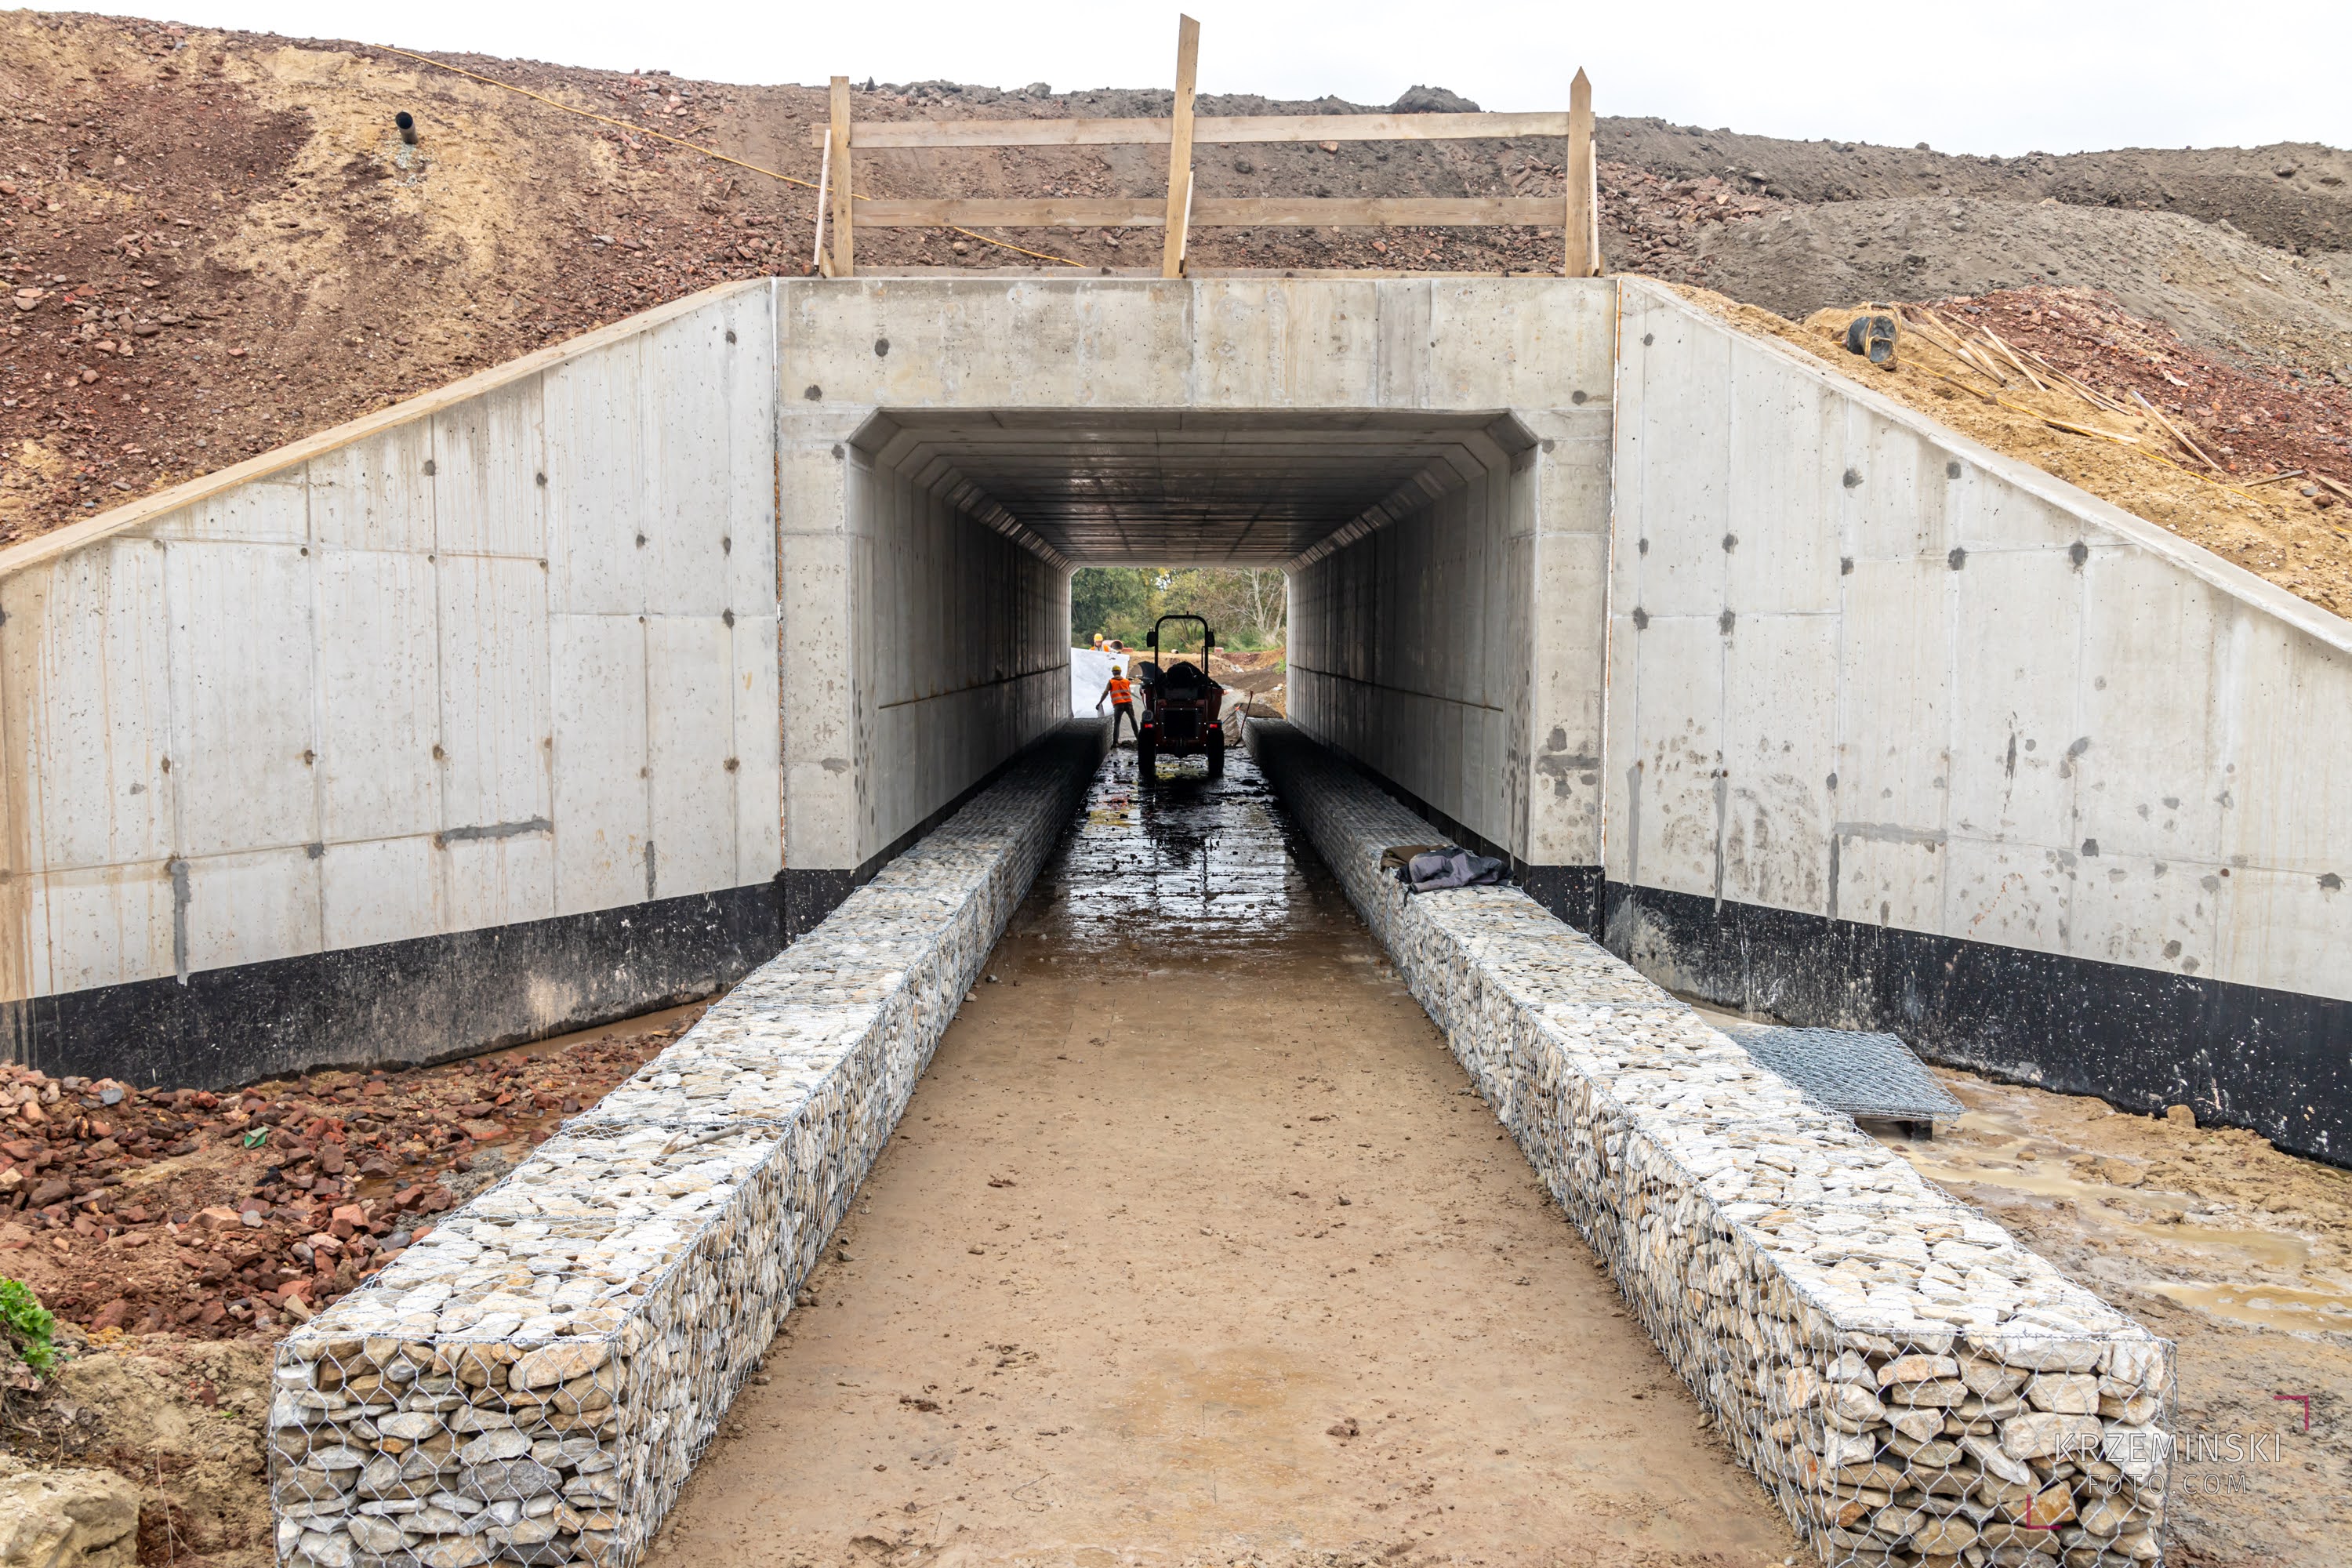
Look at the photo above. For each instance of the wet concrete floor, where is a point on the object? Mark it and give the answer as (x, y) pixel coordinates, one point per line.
(1195, 1247)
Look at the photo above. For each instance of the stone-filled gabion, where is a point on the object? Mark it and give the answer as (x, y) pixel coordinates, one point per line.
(1909, 1385)
(531, 1383)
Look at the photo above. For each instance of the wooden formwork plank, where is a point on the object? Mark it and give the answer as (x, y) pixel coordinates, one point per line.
(1221, 129)
(1180, 149)
(1220, 211)
(845, 243)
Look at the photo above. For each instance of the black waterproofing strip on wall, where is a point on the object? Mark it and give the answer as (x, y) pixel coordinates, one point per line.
(2276, 1062)
(424, 999)
(2141, 1039)
(431, 998)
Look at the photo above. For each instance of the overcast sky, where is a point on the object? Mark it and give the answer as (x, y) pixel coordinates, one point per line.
(1990, 77)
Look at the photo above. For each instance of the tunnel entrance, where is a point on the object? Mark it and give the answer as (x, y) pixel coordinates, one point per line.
(1207, 487)
(1194, 1235)
(1442, 542)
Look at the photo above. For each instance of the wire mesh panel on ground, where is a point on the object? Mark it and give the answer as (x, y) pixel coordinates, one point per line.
(531, 1383)
(1913, 1388)
(1851, 1070)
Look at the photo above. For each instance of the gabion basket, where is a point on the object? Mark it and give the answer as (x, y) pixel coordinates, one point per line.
(532, 1382)
(1913, 1388)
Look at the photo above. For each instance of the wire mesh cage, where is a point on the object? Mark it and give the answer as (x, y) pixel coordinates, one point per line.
(531, 1382)
(1912, 1387)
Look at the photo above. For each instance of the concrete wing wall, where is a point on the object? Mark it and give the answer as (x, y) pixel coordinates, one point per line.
(2059, 793)
(497, 660)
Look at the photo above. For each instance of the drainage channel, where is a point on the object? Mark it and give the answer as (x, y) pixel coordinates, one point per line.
(1194, 1243)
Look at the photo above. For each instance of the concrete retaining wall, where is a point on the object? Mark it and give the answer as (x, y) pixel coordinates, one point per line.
(1903, 1379)
(1903, 733)
(448, 1415)
(1452, 640)
(370, 749)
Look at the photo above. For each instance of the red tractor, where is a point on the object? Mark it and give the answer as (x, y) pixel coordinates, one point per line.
(1183, 708)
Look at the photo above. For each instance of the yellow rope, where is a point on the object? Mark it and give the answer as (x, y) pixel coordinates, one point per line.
(691, 147)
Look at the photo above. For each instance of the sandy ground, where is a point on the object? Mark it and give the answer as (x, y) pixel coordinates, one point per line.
(2240, 1254)
(1195, 1246)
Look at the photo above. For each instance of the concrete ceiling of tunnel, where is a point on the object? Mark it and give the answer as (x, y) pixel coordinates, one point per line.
(1189, 489)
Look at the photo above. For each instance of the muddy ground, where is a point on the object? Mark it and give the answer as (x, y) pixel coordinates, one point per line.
(2240, 1254)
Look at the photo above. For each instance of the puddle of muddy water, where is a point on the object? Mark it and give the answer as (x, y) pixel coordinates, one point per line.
(2262, 1306)
(1182, 870)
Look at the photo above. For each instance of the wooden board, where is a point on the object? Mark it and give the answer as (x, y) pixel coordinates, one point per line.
(1223, 212)
(845, 243)
(1180, 149)
(1582, 257)
(874, 135)
(1052, 212)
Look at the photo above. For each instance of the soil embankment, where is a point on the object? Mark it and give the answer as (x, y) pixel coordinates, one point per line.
(216, 242)
(176, 1234)
(2244, 462)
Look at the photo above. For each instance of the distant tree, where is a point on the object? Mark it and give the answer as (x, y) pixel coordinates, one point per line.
(1248, 608)
(1117, 601)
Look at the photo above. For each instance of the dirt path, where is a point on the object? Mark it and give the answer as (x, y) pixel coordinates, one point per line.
(1194, 1246)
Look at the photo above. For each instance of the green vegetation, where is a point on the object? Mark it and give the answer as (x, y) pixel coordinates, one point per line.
(1249, 606)
(26, 1325)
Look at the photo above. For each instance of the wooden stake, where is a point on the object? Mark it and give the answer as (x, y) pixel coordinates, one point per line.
(824, 198)
(1179, 150)
(1966, 352)
(1583, 258)
(2011, 355)
(2175, 431)
(845, 243)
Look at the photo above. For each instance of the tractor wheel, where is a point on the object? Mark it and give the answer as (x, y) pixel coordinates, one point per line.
(1147, 760)
(1217, 759)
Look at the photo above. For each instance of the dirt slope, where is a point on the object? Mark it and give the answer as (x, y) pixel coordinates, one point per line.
(177, 1234)
(2217, 290)
(2295, 197)
(212, 243)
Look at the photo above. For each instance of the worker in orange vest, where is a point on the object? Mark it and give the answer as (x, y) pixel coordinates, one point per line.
(1119, 692)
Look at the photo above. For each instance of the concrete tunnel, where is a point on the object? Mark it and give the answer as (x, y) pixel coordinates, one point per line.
(585, 685)
(1395, 527)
